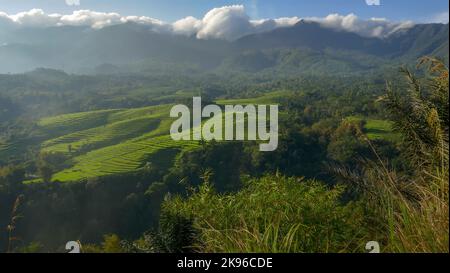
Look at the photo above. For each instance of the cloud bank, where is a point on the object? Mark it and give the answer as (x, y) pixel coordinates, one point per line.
(228, 23)
(374, 27)
(441, 17)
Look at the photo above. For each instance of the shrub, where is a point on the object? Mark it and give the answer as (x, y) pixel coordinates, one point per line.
(273, 214)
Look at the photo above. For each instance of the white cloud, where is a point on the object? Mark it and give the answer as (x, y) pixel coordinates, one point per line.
(188, 26)
(73, 2)
(38, 18)
(374, 27)
(441, 17)
(35, 17)
(270, 24)
(90, 18)
(4, 19)
(229, 22)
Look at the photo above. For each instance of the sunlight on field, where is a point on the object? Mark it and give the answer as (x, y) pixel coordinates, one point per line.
(376, 129)
(110, 142)
(122, 158)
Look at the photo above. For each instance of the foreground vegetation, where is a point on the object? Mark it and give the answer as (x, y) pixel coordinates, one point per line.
(273, 214)
(414, 209)
(354, 165)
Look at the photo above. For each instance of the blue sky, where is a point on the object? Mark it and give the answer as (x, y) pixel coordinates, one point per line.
(171, 10)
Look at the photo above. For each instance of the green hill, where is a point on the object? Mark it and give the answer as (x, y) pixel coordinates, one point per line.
(107, 142)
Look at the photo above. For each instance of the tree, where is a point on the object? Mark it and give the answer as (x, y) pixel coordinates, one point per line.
(346, 145)
(48, 163)
(11, 179)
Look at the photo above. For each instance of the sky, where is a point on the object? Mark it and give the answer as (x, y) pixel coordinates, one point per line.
(172, 10)
(225, 19)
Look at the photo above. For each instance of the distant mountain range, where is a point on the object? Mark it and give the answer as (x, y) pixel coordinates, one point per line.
(416, 41)
(132, 48)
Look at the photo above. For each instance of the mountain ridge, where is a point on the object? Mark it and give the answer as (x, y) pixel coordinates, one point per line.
(134, 48)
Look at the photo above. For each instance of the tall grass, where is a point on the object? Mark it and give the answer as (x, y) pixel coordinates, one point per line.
(15, 216)
(410, 212)
(276, 215)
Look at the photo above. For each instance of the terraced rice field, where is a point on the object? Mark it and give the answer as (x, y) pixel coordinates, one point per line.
(4, 147)
(122, 158)
(101, 136)
(69, 123)
(8, 150)
(118, 141)
(102, 143)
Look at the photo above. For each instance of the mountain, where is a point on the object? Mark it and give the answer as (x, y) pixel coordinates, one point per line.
(422, 40)
(307, 35)
(417, 41)
(129, 43)
(82, 49)
(306, 47)
(309, 48)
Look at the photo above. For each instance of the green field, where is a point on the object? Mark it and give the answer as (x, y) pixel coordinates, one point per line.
(4, 147)
(9, 150)
(108, 142)
(121, 158)
(70, 123)
(376, 129)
